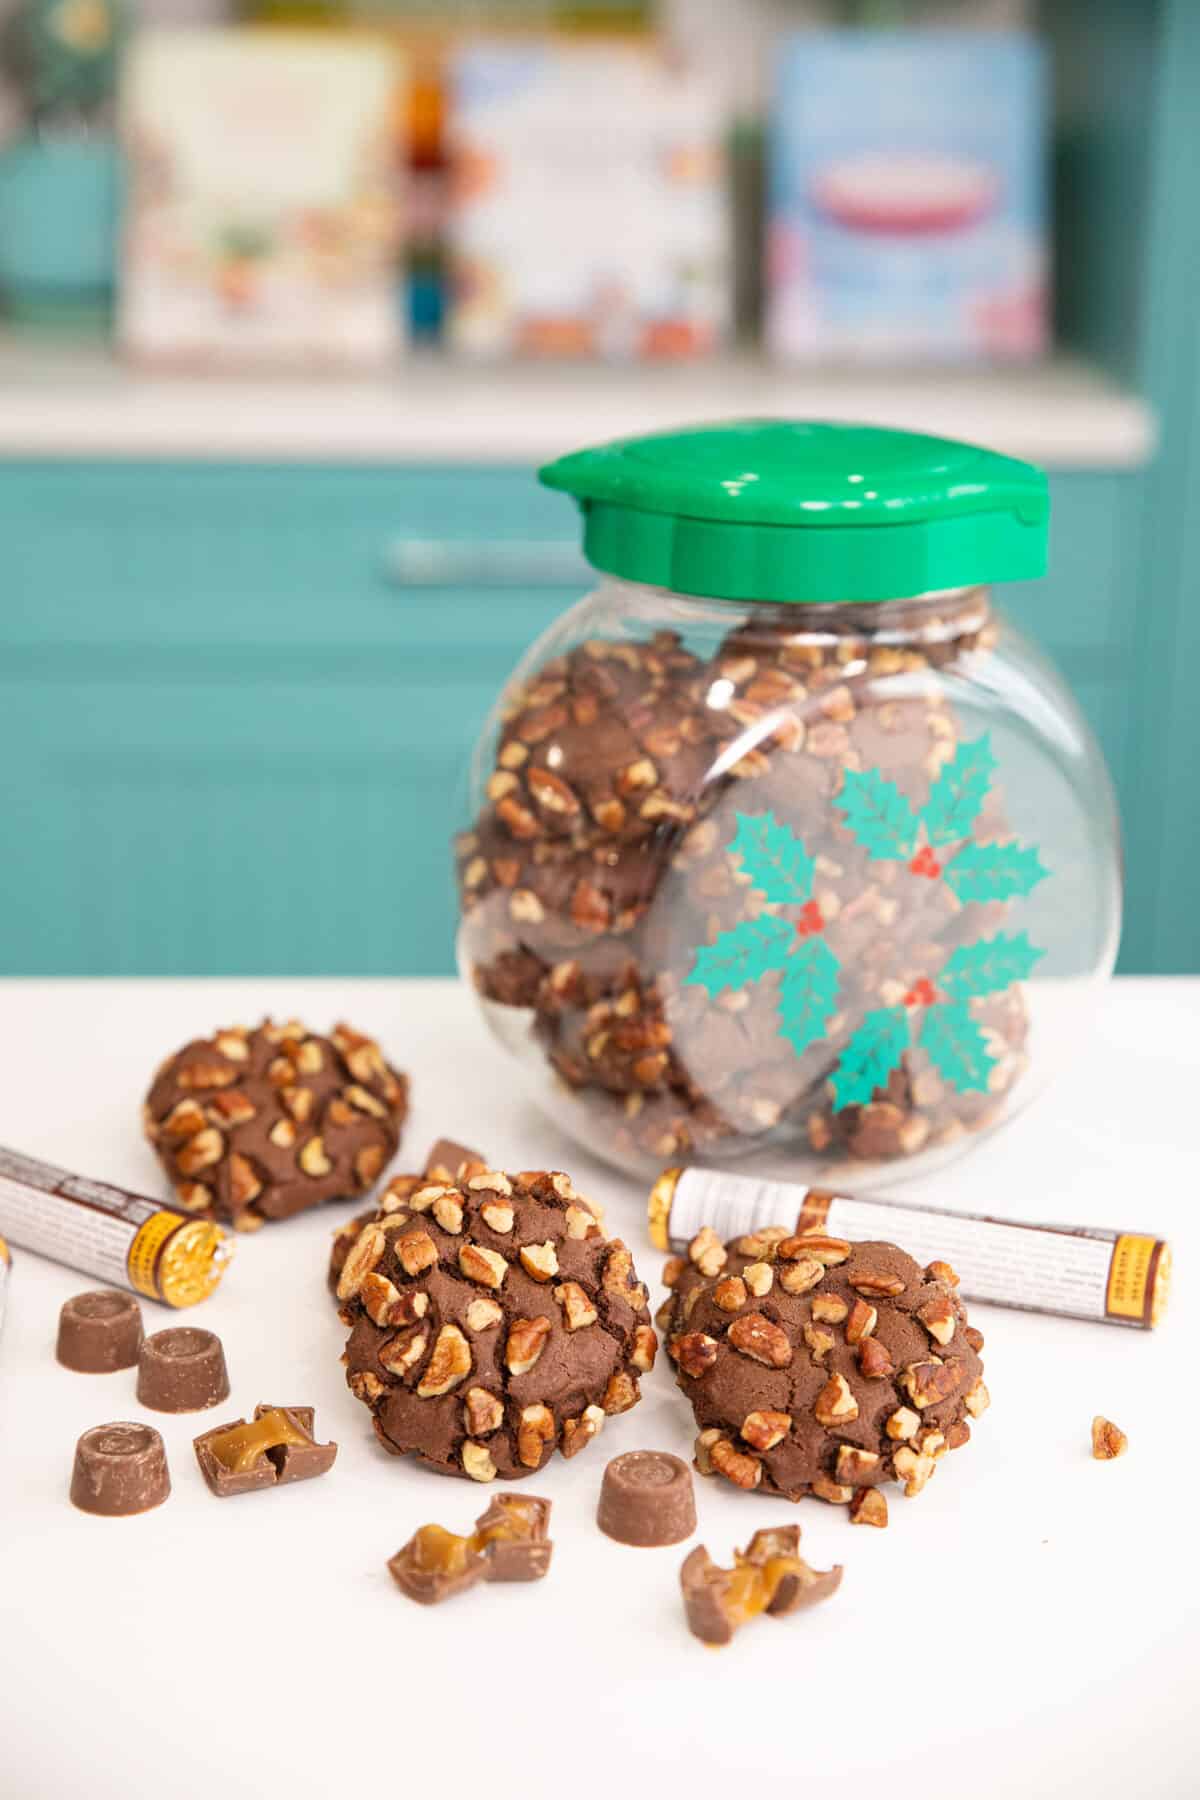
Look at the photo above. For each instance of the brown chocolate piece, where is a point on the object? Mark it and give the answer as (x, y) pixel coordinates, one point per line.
(769, 1576)
(446, 1159)
(99, 1332)
(647, 1498)
(819, 1366)
(258, 1125)
(182, 1370)
(276, 1447)
(509, 1543)
(119, 1469)
(492, 1321)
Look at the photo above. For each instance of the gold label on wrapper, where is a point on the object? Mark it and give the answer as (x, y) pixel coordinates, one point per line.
(1071, 1271)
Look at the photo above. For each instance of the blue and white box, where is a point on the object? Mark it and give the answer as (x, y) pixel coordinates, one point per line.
(907, 210)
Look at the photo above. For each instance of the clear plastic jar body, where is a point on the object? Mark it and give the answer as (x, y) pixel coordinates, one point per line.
(834, 883)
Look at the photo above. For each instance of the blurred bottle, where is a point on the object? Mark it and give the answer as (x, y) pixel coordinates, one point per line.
(60, 176)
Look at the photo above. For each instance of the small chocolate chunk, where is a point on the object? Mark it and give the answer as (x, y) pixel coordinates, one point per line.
(768, 1576)
(99, 1332)
(446, 1159)
(182, 1370)
(277, 1446)
(119, 1469)
(509, 1543)
(646, 1498)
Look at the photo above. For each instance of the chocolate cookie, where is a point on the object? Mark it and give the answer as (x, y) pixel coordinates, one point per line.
(492, 1320)
(815, 1366)
(258, 1125)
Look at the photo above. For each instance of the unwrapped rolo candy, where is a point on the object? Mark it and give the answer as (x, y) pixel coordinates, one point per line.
(509, 1543)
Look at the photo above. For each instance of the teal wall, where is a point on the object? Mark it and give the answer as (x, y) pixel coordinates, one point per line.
(232, 740)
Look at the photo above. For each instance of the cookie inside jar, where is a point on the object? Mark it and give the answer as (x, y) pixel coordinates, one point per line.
(747, 869)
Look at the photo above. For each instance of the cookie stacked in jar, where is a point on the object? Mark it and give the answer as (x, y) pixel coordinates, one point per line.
(780, 834)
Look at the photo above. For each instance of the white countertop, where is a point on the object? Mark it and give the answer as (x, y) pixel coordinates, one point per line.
(64, 401)
(1027, 1626)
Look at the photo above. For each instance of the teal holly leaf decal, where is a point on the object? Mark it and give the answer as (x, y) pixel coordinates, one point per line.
(774, 858)
(870, 1056)
(879, 815)
(957, 1048)
(990, 965)
(743, 954)
(808, 994)
(994, 871)
(958, 793)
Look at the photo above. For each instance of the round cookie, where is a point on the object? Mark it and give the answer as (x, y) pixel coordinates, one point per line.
(492, 1320)
(258, 1125)
(815, 1366)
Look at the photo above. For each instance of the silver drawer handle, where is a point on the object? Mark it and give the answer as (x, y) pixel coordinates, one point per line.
(501, 562)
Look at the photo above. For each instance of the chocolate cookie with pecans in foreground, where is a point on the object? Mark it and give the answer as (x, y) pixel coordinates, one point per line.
(816, 1366)
(257, 1125)
(492, 1321)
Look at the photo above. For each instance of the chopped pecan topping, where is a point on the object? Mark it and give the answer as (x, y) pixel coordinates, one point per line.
(941, 1271)
(903, 1424)
(526, 1341)
(644, 1350)
(743, 1470)
(482, 1314)
(827, 1309)
(483, 1413)
(854, 1465)
(415, 1251)
(929, 1383)
(799, 1276)
(876, 1282)
(730, 1293)
(477, 1462)
(1108, 1440)
(707, 1251)
(913, 1469)
(695, 1352)
(401, 1353)
(497, 1217)
(977, 1399)
(869, 1507)
(364, 1253)
(672, 1269)
(447, 1210)
(861, 1323)
(487, 1267)
(578, 1310)
(539, 1260)
(819, 1342)
(763, 1430)
(835, 1404)
(536, 1429)
(758, 1277)
(831, 1491)
(874, 1360)
(939, 1319)
(449, 1364)
(621, 1393)
(579, 1432)
(757, 1337)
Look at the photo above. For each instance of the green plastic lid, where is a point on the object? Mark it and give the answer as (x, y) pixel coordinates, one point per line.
(773, 509)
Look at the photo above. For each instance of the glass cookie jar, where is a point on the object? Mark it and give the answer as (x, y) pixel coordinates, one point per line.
(783, 839)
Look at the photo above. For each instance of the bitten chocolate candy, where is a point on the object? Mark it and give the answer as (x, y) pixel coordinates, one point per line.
(182, 1370)
(99, 1332)
(647, 1499)
(509, 1543)
(119, 1469)
(768, 1576)
(276, 1447)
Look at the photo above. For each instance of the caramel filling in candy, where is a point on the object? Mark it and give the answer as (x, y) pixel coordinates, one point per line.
(243, 1445)
(753, 1586)
(436, 1551)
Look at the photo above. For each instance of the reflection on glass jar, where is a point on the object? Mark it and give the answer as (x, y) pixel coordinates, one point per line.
(833, 878)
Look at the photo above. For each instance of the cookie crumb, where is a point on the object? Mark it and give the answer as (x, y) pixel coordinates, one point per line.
(1108, 1440)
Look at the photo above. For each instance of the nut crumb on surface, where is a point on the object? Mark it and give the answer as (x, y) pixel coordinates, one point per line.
(1108, 1440)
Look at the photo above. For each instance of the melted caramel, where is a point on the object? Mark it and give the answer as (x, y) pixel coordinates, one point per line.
(241, 1447)
(753, 1586)
(437, 1551)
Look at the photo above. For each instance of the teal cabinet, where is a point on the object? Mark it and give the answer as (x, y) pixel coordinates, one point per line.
(236, 703)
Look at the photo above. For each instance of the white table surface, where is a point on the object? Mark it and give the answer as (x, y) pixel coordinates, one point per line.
(1027, 1626)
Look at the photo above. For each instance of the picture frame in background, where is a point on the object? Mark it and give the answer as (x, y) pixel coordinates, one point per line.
(264, 213)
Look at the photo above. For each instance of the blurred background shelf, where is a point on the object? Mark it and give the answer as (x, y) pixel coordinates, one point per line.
(79, 401)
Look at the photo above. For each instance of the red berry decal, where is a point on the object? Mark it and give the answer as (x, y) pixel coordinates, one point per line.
(926, 863)
(921, 993)
(811, 920)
